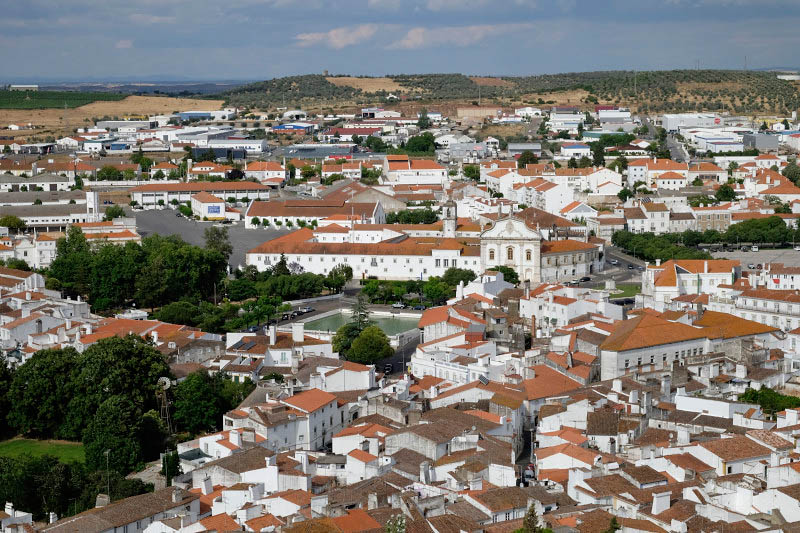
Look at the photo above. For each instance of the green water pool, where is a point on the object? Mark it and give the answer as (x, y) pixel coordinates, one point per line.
(389, 325)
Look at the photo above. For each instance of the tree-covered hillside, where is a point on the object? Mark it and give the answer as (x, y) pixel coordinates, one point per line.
(736, 91)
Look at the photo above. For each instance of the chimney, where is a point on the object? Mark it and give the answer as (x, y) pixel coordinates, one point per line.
(569, 359)
(372, 500)
(658, 262)
(273, 334)
(616, 385)
(176, 495)
(102, 500)
(303, 457)
(683, 437)
(68, 324)
(206, 486)
(298, 329)
(235, 437)
(9, 509)
(154, 334)
(27, 296)
(52, 518)
(705, 266)
(661, 502)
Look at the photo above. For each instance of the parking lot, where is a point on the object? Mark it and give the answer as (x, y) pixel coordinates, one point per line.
(787, 256)
(165, 222)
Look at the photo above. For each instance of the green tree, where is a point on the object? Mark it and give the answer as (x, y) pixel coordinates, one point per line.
(115, 428)
(472, 172)
(624, 194)
(530, 524)
(423, 122)
(725, 193)
(509, 274)
(572, 163)
(128, 367)
(452, 276)
(12, 222)
(40, 390)
(159, 175)
(113, 212)
(371, 346)
(338, 277)
(613, 526)
(73, 263)
(792, 171)
(435, 290)
(217, 239)
(527, 157)
(109, 173)
(421, 144)
(6, 378)
(197, 404)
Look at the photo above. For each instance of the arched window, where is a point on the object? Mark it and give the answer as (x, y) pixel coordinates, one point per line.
(528, 255)
(491, 255)
(510, 253)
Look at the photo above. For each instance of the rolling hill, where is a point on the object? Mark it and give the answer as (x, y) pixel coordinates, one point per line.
(736, 91)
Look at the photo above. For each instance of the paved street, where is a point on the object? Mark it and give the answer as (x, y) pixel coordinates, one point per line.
(164, 222)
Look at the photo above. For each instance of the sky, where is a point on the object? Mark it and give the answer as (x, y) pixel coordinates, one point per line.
(260, 39)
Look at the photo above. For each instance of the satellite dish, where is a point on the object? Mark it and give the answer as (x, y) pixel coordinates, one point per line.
(164, 383)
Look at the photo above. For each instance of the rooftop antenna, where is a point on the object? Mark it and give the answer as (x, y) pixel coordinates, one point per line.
(162, 386)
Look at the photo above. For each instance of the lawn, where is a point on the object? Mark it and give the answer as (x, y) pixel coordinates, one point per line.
(65, 451)
(628, 290)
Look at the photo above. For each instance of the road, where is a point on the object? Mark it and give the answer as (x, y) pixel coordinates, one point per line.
(676, 151)
(165, 222)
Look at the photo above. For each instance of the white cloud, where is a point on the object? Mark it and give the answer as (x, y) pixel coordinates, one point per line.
(142, 18)
(338, 38)
(123, 44)
(420, 37)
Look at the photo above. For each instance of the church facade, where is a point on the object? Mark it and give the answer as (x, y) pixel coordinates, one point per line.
(512, 242)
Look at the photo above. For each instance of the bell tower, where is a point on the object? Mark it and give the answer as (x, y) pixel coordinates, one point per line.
(449, 218)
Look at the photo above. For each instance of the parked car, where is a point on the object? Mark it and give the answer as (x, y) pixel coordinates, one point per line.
(745, 249)
(419, 308)
(754, 248)
(613, 262)
(286, 316)
(295, 314)
(252, 329)
(631, 267)
(387, 368)
(398, 305)
(307, 309)
(751, 266)
(640, 269)
(797, 248)
(584, 279)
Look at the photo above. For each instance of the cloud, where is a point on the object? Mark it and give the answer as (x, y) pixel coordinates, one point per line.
(338, 38)
(420, 37)
(124, 44)
(142, 18)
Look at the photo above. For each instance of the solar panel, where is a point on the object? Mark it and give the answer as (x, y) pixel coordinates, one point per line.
(238, 344)
(483, 380)
(248, 345)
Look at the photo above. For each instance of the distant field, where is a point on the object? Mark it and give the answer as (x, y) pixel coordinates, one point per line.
(65, 451)
(58, 121)
(52, 99)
